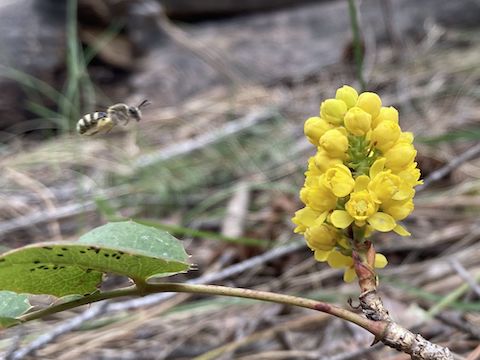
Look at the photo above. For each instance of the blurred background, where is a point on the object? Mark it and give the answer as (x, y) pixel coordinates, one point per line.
(218, 160)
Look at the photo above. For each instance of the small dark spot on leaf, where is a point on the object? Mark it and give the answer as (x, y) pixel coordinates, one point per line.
(61, 267)
(46, 268)
(59, 254)
(47, 248)
(89, 270)
(64, 249)
(97, 251)
(83, 251)
(36, 262)
(2, 259)
(41, 266)
(106, 255)
(118, 257)
(114, 254)
(121, 252)
(33, 269)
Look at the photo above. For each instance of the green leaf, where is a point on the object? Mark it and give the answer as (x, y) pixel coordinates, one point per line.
(66, 268)
(12, 305)
(146, 240)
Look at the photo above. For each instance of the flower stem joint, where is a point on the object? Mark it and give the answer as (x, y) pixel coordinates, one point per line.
(361, 179)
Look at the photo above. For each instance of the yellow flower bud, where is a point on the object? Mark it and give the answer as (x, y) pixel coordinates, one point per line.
(339, 180)
(398, 209)
(400, 156)
(304, 194)
(358, 121)
(335, 143)
(411, 175)
(321, 237)
(386, 114)
(319, 197)
(406, 137)
(348, 95)
(385, 135)
(333, 111)
(323, 161)
(314, 128)
(312, 173)
(370, 102)
(304, 218)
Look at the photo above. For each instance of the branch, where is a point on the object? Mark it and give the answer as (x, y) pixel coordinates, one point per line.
(372, 306)
(374, 327)
(387, 332)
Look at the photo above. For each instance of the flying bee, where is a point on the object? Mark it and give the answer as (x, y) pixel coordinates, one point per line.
(93, 123)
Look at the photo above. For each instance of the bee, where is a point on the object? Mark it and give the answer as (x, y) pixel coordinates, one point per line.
(103, 122)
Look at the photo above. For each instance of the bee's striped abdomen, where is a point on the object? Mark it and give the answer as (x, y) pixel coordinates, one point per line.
(89, 121)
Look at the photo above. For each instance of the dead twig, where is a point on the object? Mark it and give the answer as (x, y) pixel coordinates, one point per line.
(63, 328)
(452, 165)
(237, 209)
(191, 145)
(43, 192)
(465, 275)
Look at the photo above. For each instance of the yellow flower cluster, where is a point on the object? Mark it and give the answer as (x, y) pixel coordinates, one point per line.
(361, 179)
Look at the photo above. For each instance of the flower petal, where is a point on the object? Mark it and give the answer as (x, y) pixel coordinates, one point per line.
(338, 260)
(361, 183)
(377, 167)
(341, 219)
(400, 230)
(382, 222)
(380, 261)
(349, 275)
(322, 255)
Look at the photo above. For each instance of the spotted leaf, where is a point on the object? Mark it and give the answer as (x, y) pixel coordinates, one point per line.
(66, 268)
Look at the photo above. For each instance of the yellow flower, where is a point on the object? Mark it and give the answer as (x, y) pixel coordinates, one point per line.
(385, 135)
(400, 156)
(348, 95)
(337, 260)
(312, 172)
(321, 239)
(411, 175)
(314, 128)
(362, 208)
(358, 121)
(386, 114)
(386, 186)
(339, 180)
(370, 102)
(398, 209)
(333, 111)
(307, 217)
(406, 137)
(323, 161)
(319, 197)
(335, 143)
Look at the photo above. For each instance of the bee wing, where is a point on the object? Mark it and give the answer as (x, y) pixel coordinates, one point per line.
(118, 113)
(115, 116)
